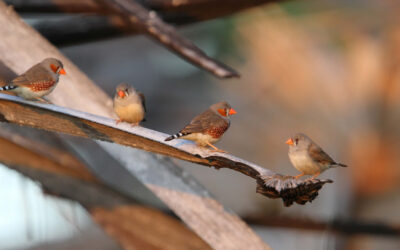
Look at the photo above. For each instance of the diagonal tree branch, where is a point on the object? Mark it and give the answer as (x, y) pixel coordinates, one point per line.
(155, 27)
(58, 119)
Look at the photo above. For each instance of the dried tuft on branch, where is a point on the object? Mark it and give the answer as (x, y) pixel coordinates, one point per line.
(289, 189)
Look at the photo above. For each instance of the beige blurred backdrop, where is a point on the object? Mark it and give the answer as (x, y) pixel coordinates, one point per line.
(330, 69)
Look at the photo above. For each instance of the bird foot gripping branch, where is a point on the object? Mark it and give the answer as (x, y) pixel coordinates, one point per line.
(289, 188)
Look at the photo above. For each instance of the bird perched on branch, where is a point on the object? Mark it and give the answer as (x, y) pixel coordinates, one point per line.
(37, 81)
(309, 158)
(129, 104)
(208, 127)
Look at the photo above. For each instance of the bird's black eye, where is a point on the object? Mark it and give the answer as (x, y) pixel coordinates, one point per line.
(296, 141)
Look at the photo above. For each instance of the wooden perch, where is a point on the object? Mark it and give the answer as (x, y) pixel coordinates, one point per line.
(58, 119)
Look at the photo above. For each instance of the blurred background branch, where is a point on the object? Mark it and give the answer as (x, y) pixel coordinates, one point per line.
(130, 17)
(347, 227)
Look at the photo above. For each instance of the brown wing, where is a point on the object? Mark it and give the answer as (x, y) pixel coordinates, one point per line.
(143, 104)
(36, 74)
(201, 123)
(318, 155)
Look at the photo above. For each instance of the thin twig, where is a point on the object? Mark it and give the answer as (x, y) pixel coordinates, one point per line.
(166, 34)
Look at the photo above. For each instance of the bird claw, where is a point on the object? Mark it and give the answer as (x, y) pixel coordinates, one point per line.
(134, 124)
(298, 176)
(43, 100)
(118, 121)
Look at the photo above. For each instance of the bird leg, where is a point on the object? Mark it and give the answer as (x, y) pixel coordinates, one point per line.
(118, 121)
(298, 176)
(315, 176)
(215, 148)
(134, 124)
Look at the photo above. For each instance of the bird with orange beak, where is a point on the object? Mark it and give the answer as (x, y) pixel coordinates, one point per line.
(309, 158)
(129, 105)
(38, 81)
(208, 127)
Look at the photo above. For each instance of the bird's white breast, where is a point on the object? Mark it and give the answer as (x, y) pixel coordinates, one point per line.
(132, 113)
(303, 162)
(27, 93)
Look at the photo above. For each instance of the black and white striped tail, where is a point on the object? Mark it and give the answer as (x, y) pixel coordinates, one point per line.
(8, 87)
(177, 135)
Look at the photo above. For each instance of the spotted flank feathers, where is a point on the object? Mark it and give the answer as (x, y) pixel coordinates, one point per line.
(8, 87)
(175, 136)
(41, 86)
(218, 130)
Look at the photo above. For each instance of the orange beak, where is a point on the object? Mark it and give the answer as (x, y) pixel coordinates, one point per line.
(62, 72)
(289, 142)
(232, 112)
(121, 94)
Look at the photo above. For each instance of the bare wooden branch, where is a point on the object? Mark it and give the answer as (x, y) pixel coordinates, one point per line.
(21, 47)
(58, 119)
(343, 226)
(156, 28)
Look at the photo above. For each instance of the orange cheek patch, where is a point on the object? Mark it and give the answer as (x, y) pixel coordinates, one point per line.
(222, 112)
(121, 94)
(53, 68)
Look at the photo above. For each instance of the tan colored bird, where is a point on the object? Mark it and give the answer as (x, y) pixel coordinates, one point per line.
(129, 105)
(309, 158)
(208, 127)
(37, 81)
